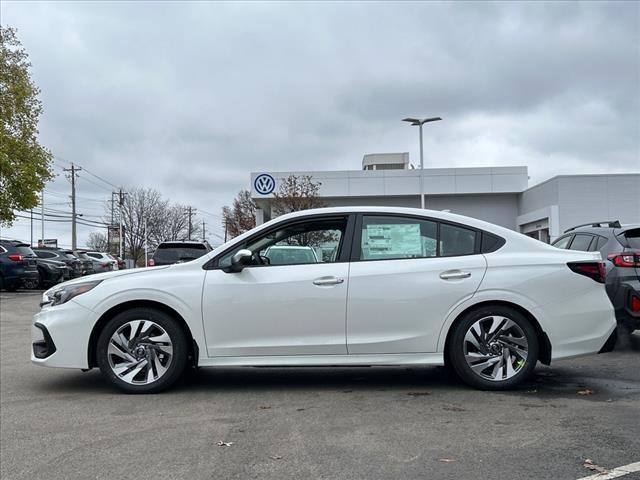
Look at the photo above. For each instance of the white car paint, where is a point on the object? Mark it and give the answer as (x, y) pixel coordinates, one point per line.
(387, 312)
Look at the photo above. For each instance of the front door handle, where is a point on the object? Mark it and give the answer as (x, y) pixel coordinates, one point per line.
(454, 275)
(324, 281)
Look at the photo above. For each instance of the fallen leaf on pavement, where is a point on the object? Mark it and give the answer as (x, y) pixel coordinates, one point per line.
(586, 391)
(264, 407)
(588, 463)
(453, 408)
(276, 457)
(446, 460)
(418, 394)
(224, 444)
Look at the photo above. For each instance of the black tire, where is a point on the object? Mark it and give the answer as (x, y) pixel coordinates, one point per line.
(11, 287)
(178, 342)
(1, 283)
(456, 349)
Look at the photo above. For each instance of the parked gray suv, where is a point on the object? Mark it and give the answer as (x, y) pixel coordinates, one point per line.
(620, 248)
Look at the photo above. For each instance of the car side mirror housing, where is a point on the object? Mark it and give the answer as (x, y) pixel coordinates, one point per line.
(241, 259)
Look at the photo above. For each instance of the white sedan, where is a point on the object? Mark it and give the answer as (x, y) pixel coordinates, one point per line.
(391, 286)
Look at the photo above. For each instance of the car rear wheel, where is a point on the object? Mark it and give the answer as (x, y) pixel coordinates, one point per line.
(142, 350)
(493, 348)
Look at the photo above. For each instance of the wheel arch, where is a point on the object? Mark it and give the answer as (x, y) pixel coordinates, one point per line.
(543, 340)
(128, 305)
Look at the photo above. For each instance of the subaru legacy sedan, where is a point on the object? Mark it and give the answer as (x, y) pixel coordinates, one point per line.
(400, 287)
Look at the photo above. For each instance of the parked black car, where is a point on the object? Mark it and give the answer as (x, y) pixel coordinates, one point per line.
(51, 272)
(17, 265)
(620, 248)
(73, 262)
(87, 263)
(168, 253)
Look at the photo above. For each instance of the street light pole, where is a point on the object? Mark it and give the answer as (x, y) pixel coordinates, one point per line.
(420, 122)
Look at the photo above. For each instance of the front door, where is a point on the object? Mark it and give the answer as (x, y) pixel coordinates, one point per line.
(290, 301)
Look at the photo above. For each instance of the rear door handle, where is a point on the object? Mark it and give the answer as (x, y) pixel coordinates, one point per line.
(454, 275)
(324, 281)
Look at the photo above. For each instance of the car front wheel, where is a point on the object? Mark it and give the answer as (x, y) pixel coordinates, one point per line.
(493, 348)
(142, 350)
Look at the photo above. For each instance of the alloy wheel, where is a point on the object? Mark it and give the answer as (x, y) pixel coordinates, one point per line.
(495, 348)
(140, 352)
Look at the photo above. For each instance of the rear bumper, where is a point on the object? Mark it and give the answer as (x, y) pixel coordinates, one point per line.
(622, 301)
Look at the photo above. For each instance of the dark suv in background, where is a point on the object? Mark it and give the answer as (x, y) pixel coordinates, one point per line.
(619, 246)
(17, 265)
(168, 253)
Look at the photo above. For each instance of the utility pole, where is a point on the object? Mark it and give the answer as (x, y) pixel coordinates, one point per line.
(204, 237)
(73, 171)
(42, 217)
(113, 196)
(190, 212)
(146, 257)
(121, 196)
(32, 227)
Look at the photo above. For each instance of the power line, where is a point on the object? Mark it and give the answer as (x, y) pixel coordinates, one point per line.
(89, 172)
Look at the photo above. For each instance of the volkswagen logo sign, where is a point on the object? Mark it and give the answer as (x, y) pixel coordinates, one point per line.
(264, 184)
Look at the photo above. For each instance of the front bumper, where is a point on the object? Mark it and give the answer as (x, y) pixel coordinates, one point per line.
(65, 343)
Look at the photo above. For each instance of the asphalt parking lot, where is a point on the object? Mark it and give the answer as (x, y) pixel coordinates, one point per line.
(369, 423)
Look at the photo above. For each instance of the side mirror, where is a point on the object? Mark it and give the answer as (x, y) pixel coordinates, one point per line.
(240, 259)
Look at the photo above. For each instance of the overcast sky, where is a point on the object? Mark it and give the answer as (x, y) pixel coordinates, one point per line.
(189, 98)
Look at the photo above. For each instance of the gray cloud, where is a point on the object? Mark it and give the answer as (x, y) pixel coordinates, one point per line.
(190, 97)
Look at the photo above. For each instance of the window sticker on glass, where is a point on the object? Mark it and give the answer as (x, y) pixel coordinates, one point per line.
(392, 240)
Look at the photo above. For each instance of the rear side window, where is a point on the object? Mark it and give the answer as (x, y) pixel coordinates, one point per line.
(581, 242)
(45, 254)
(563, 242)
(388, 238)
(391, 237)
(455, 240)
(95, 255)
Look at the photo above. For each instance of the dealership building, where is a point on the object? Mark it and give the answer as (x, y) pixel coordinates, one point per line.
(500, 195)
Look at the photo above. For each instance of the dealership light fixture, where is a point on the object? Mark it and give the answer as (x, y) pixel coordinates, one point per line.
(419, 122)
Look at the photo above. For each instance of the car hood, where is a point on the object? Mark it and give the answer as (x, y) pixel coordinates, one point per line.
(114, 274)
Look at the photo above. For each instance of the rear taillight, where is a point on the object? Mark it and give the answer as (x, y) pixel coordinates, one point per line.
(635, 304)
(593, 270)
(15, 257)
(625, 259)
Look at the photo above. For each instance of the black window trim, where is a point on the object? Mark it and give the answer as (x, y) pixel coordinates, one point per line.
(344, 248)
(587, 234)
(357, 238)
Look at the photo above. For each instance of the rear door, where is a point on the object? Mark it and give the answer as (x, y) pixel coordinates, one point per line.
(406, 275)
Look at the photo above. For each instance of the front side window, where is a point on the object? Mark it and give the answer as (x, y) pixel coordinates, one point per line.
(388, 238)
(314, 241)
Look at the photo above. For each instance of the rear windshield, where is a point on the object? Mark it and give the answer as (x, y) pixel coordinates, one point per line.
(633, 238)
(26, 251)
(168, 252)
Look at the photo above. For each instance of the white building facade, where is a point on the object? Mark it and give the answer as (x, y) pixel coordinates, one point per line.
(500, 195)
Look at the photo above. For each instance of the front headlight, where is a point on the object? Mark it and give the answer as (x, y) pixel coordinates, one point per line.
(64, 293)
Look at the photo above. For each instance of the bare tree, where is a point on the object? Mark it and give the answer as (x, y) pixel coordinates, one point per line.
(296, 193)
(241, 216)
(97, 241)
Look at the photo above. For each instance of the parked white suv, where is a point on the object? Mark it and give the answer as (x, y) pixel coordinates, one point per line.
(105, 258)
(404, 287)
